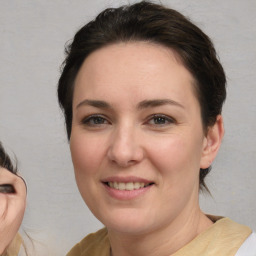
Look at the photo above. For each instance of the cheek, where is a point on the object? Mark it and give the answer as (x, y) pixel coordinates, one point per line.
(176, 157)
(86, 153)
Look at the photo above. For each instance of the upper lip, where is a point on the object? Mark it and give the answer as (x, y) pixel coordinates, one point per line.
(126, 179)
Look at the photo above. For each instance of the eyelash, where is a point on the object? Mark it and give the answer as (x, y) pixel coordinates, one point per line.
(160, 117)
(87, 120)
(99, 120)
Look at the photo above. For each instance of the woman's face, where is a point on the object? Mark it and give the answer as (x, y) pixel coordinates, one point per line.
(137, 139)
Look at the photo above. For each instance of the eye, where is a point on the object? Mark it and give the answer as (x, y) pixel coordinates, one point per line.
(160, 120)
(95, 120)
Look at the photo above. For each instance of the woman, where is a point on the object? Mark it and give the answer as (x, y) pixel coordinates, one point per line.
(12, 206)
(142, 92)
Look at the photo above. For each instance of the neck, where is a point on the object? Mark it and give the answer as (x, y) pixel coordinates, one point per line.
(165, 241)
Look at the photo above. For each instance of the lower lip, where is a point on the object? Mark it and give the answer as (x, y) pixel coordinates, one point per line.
(126, 194)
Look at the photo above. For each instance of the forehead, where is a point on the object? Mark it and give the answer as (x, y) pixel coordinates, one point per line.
(138, 68)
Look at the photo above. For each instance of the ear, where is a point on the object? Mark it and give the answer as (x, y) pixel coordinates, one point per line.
(212, 142)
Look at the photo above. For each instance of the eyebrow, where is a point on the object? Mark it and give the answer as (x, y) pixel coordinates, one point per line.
(94, 103)
(157, 103)
(141, 105)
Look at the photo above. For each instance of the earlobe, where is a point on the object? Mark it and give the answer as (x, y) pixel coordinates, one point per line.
(212, 142)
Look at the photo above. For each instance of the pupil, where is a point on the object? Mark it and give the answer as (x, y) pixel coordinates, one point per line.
(98, 120)
(159, 120)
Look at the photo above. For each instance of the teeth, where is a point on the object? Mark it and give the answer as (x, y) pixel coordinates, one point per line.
(121, 186)
(129, 186)
(137, 185)
(126, 186)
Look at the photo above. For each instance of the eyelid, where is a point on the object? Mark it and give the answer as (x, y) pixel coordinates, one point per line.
(86, 119)
(170, 120)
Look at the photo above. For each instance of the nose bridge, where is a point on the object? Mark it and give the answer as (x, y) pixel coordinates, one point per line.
(125, 148)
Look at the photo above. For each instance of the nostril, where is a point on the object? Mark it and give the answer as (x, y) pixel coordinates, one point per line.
(122, 162)
(125, 158)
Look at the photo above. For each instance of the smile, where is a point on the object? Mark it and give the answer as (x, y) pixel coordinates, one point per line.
(128, 186)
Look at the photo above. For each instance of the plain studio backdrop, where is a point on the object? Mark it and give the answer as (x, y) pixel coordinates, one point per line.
(33, 34)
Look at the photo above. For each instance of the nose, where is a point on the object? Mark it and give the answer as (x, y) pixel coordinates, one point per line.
(125, 149)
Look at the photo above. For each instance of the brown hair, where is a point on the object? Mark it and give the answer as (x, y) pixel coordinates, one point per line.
(146, 21)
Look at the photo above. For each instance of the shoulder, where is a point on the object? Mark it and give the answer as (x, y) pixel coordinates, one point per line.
(229, 227)
(93, 244)
(224, 237)
(240, 238)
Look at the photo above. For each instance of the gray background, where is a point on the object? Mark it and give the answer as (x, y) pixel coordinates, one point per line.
(32, 36)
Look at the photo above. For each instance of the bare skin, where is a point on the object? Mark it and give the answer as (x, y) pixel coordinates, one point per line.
(168, 240)
(12, 207)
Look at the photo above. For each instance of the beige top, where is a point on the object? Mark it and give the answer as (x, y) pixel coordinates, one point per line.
(224, 237)
(14, 248)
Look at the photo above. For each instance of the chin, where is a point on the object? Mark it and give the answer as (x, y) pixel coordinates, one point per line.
(129, 228)
(125, 221)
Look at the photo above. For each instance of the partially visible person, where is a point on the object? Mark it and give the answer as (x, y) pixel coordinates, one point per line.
(12, 206)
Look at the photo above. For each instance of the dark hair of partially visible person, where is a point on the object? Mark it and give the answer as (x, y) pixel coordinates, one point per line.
(149, 22)
(5, 161)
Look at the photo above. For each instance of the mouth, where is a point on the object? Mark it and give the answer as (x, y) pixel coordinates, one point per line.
(129, 186)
